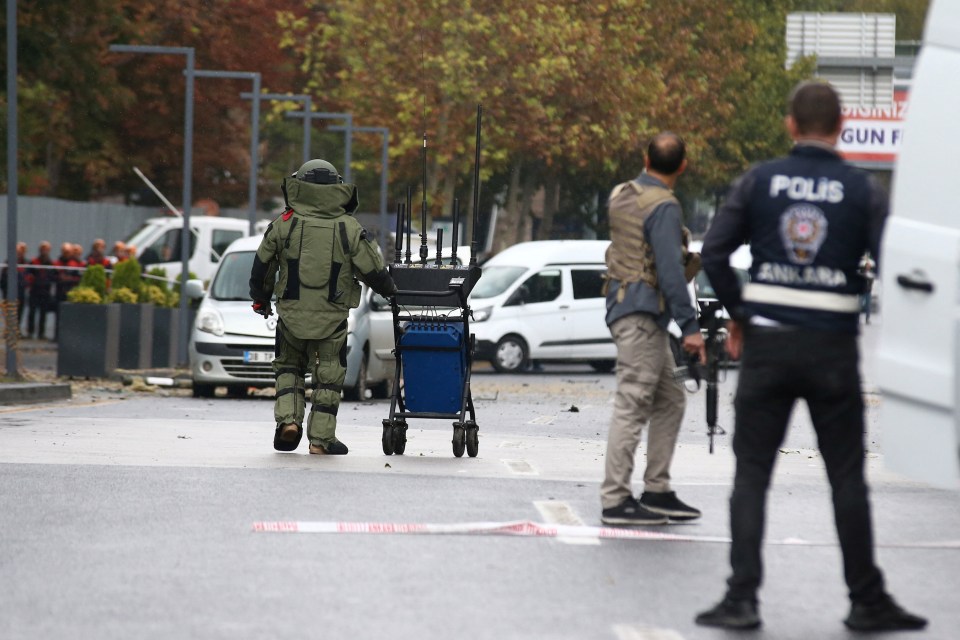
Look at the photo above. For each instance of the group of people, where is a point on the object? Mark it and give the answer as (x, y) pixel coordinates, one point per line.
(43, 281)
(796, 337)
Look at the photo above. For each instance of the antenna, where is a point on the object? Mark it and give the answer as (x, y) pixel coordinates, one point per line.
(476, 192)
(423, 207)
(409, 215)
(398, 241)
(456, 227)
(439, 260)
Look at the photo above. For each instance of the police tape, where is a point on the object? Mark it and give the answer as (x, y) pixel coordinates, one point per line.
(526, 528)
(518, 528)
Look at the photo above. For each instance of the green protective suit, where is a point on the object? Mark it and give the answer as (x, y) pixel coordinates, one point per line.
(319, 250)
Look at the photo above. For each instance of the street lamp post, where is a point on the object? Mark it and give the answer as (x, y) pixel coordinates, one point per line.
(184, 326)
(292, 97)
(11, 312)
(384, 176)
(254, 132)
(348, 117)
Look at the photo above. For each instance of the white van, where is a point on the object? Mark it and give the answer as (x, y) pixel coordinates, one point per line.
(157, 243)
(920, 270)
(542, 300)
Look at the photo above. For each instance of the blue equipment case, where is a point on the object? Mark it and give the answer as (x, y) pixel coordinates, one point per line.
(434, 349)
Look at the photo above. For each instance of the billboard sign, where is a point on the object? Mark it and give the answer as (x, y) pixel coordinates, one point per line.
(873, 134)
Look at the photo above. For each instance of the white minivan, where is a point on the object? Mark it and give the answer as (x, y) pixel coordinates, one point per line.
(919, 352)
(543, 300)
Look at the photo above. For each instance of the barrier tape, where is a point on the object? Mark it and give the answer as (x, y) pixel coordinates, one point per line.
(527, 528)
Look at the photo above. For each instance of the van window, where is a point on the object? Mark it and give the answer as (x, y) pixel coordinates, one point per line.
(221, 240)
(165, 248)
(233, 277)
(496, 280)
(587, 283)
(542, 287)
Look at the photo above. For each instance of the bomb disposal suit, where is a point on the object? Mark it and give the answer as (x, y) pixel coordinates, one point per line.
(319, 250)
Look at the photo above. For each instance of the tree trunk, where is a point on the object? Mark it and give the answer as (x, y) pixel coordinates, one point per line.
(511, 215)
(550, 206)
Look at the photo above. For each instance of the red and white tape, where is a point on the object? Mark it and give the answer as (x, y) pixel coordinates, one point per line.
(519, 528)
(538, 530)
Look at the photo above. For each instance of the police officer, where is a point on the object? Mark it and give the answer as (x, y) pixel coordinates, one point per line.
(319, 250)
(809, 218)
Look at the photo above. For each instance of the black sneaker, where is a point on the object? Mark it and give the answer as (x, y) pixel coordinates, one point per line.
(885, 615)
(668, 504)
(631, 512)
(731, 614)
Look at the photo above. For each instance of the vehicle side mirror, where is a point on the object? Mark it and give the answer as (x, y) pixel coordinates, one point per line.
(194, 289)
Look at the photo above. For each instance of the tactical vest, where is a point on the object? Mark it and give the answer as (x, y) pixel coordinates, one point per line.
(630, 257)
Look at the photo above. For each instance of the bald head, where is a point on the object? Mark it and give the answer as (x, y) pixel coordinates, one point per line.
(666, 153)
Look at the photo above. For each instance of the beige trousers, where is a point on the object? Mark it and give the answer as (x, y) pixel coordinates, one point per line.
(646, 392)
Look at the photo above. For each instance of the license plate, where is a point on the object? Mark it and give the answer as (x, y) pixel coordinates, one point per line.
(257, 356)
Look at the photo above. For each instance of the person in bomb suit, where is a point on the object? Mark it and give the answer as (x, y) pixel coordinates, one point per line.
(319, 251)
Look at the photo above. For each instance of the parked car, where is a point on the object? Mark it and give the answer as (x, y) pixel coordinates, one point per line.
(232, 347)
(543, 301)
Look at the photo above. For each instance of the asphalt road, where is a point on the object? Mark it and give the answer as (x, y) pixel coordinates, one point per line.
(130, 514)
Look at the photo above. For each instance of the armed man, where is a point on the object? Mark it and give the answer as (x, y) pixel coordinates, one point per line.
(319, 250)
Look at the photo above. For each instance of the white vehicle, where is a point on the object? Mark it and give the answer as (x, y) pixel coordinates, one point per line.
(157, 243)
(542, 300)
(231, 346)
(920, 270)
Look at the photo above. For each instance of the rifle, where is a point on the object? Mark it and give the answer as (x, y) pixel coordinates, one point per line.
(690, 368)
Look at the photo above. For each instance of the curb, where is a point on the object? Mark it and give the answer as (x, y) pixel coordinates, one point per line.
(31, 392)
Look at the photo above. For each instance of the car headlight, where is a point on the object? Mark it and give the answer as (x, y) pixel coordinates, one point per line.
(479, 315)
(210, 321)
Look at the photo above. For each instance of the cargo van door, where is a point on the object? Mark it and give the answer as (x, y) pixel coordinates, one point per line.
(589, 336)
(919, 347)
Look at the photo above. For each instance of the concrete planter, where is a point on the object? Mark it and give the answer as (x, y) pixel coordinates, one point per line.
(88, 340)
(136, 336)
(166, 332)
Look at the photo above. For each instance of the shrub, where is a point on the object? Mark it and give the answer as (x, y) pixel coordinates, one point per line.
(123, 295)
(83, 294)
(153, 294)
(126, 275)
(159, 278)
(95, 277)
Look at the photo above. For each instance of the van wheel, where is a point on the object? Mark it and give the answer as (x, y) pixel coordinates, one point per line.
(359, 391)
(510, 355)
(603, 366)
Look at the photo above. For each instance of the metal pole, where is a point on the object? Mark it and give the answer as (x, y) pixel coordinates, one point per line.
(349, 128)
(254, 132)
(11, 310)
(384, 176)
(183, 331)
(187, 195)
(293, 97)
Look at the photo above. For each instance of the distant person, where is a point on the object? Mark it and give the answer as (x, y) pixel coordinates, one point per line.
(316, 289)
(42, 277)
(119, 251)
(808, 217)
(868, 269)
(646, 288)
(21, 282)
(97, 255)
(70, 263)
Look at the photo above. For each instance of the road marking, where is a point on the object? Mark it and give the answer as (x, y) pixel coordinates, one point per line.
(559, 512)
(520, 467)
(44, 407)
(635, 632)
(510, 444)
(543, 420)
